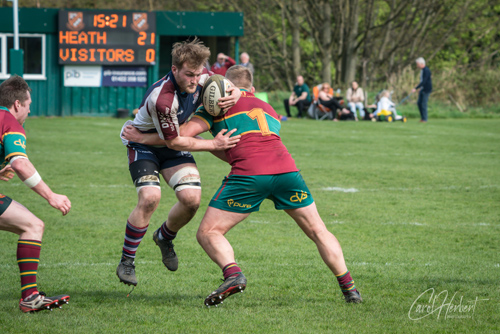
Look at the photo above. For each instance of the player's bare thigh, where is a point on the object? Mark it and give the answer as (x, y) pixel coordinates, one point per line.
(219, 221)
(308, 219)
(20, 220)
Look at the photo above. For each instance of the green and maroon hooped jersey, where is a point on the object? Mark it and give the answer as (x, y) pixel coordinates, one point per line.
(260, 150)
(12, 137)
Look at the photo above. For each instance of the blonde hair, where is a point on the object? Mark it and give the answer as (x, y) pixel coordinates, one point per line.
(240, 76)
(385, 93)
(194, 53)
(325, 84)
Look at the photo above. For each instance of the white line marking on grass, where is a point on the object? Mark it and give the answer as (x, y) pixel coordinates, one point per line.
(344, 190)
(404, 223)
(354, 190)
(434, 225)
(258, 221)
(111, 186)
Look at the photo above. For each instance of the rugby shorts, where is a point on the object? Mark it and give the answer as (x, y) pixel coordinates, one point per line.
(245, 193)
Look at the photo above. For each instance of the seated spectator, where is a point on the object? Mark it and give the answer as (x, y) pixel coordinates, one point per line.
(222, 64)
(355, 98)
(300, 97)
(245, 61)
(328, 100)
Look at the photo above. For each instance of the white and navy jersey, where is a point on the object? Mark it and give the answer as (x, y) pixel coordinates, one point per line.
(164, 108)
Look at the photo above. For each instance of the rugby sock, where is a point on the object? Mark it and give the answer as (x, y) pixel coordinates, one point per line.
(133, 237)
(165, 233)
(231, 270)
(346, 282)
(28, 255)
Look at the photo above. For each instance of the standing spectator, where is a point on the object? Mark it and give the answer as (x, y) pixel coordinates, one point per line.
(300, 97)
(15, 100)
(245, 61)
(355, 98)
(425, 87)
(222, 64)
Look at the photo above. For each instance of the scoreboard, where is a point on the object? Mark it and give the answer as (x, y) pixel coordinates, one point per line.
(107, 37)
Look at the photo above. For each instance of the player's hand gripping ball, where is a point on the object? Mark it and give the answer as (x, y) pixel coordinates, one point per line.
(215, 87)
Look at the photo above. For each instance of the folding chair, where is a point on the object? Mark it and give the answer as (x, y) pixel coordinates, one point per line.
(317, 110)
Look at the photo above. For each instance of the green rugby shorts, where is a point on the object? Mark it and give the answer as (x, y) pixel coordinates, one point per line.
(245, 193)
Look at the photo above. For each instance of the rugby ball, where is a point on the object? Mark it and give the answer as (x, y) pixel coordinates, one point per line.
(214, 88)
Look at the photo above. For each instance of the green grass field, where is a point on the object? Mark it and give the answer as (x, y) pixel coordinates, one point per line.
(415, 207)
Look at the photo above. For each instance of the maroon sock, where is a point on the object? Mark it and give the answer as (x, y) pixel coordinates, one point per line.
(230, 270)
(346, 282)
(133, 237)
(28, 255)
(166, 233)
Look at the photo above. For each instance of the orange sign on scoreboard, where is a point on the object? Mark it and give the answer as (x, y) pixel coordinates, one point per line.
(107, 37)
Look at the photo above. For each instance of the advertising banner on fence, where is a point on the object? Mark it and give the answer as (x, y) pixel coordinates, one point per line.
(124, 76)
(105, 76)
(82, 76)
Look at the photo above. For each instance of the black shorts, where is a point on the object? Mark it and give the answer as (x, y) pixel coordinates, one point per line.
(154, 159)
(4, 203)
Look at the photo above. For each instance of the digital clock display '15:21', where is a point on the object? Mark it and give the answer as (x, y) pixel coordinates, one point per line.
(100, 37)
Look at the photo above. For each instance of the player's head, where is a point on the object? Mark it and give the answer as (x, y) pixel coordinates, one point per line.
(194, 53)
(300, 80)
(325, 86)
(354, 85)
(188, 59)
(240, 76)
(15, 96)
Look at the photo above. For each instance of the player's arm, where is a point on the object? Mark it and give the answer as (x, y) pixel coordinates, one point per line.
(131, 133)
(29, 175)
(222, 141)
(185, 142)
(190, 129)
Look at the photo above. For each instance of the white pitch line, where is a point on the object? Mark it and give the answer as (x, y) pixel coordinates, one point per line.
(354, 190)
(344, 190)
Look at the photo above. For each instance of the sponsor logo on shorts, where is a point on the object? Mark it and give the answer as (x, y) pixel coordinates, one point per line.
(298, 198)
(21, 143)
(232, 203)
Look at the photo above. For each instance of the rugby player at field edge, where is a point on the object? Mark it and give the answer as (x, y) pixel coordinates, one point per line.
(168, 104)
(261, 168)
(15, 100)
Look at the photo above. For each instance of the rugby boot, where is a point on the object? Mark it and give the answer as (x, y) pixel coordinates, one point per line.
(353, 297)
(168, 256)
(126, 271)
(38, 301)
(230, 286)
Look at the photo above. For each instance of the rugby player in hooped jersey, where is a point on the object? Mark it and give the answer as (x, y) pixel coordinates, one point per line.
(261, 168)
(166, 106)
(15, 100)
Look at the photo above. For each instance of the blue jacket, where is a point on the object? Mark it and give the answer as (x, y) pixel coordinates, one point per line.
(426, 81)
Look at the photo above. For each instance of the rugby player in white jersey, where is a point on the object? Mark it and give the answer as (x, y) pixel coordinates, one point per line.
(167, 105)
